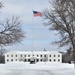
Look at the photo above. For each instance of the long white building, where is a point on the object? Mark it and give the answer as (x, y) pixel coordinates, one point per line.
(36, 56)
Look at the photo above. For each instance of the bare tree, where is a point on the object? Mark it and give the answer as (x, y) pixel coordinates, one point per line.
(62, 19)
(10, 30)
(1, 5)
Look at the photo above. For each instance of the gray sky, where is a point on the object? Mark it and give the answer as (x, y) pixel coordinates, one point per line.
(37, 35)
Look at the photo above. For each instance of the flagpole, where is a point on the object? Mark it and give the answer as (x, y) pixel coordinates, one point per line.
(32, 33)
(36, 13)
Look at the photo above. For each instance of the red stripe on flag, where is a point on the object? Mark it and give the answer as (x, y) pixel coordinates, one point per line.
(38, 14)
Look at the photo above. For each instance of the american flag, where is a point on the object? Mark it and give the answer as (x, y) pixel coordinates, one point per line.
(36, 13)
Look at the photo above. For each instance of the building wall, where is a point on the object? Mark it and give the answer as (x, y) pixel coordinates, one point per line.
(10, 57)
(39, 57)
(54, 57)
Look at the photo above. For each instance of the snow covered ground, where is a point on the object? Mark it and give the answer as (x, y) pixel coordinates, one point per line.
(22, 68)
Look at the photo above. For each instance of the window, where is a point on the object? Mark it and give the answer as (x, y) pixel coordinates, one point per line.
(25, 60)
(7, 59)
(28, 55)
(37, 55)
(54, 55)
(16, 60)
(58, 55)
(24, 55)
(11, 55)
(40, 55)
(49, 55)
(58, 59)
(54, 60)
(7, 55)
(16, 55)
(44, 55)
(37, 60)
(28, 60)
(41, 60)
(11, 59)
(21, 55)
(49, 59)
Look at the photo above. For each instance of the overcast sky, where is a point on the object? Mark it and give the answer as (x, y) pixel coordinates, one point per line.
(37, 35)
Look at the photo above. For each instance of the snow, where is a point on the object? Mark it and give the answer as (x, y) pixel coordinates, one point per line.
(41, 68)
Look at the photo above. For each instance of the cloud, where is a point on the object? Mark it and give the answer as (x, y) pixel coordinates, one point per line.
(35, 46)
(33, 26)
(23, 6)
(40, 34)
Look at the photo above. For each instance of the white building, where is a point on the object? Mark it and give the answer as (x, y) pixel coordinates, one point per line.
(36, 56)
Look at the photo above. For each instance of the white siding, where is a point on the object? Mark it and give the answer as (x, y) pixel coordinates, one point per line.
(38, 56)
